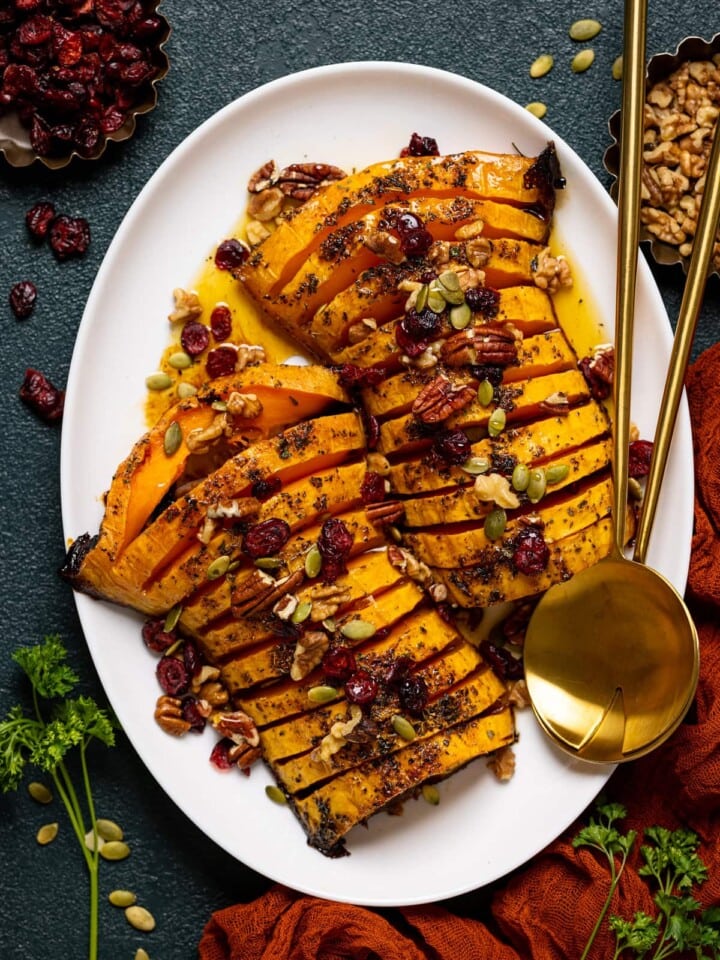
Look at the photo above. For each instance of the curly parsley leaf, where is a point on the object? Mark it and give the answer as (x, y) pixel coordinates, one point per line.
(45, 665)
(638, 934)
(19, 736)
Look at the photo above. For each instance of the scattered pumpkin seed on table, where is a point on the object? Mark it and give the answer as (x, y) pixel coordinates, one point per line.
(140, 918)
(583, 61)
(275, 794)
(39, 792)
(617, 68)
(536, 108)
(47, 833)
(114, 850)
(122, 898)
(108, 829)
(542, 65)
(584, 30)
(141, 954)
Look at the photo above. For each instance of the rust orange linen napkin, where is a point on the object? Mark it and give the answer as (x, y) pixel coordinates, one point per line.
(546, 910)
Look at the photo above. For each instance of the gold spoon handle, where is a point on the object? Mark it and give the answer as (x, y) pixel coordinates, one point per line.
(685, 331)
(631, 138)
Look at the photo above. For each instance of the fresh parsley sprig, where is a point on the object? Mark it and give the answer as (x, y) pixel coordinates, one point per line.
(59, 725)
(602, 835)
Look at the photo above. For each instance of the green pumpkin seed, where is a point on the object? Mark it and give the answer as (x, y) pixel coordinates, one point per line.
(536, 108)
(268, 563)
(402, 727)
(520, 478)
(313, 562)
(584, 30)
(542, 65)
(421, 298)
(617, 68)
(218, 568)
(536, 485)
(556, 473)
(453, 297)
(108, 830)
(582, 61)
(460, 316)
(140, 918)
(39, 792)
(141, 954)
(497, 421)
(114, 850)
(47, 833)
(172, 439)
(302, 612)
(186, 390)
(322, 694)
(486, 392)
(219, 405)
(180, 360)
(449, 280)
(358, 630)
(330, 625)
(275, 794)
(431, 794)
(436, 301)
(171, 620)
(122, 898)
(90, 839)
(476, 466)
(158, 381)
(495, 523)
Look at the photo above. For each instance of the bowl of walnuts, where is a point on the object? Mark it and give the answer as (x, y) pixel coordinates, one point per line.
(76, 74)
(682, 104)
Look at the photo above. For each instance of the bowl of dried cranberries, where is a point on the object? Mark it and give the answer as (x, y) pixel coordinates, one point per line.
(75, 74)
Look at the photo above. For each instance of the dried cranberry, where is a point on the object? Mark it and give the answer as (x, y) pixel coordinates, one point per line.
(424, 325)
(194, 338)
(191, 658)
(221, 323)
(155, 637)
(530, 552)
(22, 299)
(41, 396)
(220, 754)
(445, 612)
(221, 362)
(334, 543)
(69, 236)
(421, 147)
(40, 137)
(371, 425)
(501, 660)
(451, 447)
(353, 377)
(173, 676)
(191, 713)
(486, 371)
(38, 219)
(266, 539)
(641, 452)
(86, 136)
(70, 50)
(483, 300)
(398, 670)
(112, 119)
(230, 255)
(407, 342)
(372, 488)
(413, 694)
(265, 488)
(35, 30)
(416, 243)
(339, 664)
(361, 688)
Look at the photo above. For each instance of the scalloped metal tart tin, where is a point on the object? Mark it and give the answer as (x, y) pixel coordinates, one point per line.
(660, 67)
(15, 138)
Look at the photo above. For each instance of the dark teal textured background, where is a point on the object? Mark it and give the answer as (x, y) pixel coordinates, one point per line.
(218, 51)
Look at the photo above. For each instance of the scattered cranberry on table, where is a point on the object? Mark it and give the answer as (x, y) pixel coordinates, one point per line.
(22, 299)
(69, 236)
(41, 396)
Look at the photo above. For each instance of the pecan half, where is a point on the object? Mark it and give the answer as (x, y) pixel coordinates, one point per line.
(243, 755)
(388, 511)
(491, 343)
(238, 727)
(599, 371)
(168, 715)
(258, 591)
(440, 398)
(263, 178)
(301, 180)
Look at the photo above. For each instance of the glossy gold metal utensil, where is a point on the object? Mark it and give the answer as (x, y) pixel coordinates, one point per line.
(611, 656)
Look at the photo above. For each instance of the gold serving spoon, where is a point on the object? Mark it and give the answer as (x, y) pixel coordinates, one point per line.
(611, 656)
